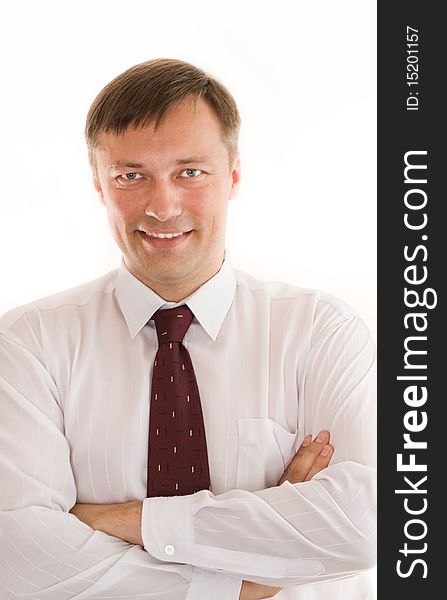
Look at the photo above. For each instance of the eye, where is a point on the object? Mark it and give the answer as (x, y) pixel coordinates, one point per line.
(191, 173)
(129, 176)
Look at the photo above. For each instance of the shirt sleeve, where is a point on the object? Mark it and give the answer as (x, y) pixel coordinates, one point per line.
(46, 553)
(307, 532)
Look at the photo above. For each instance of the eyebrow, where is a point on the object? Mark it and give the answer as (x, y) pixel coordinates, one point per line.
(192, 159)
(180, 161)
(127, 165)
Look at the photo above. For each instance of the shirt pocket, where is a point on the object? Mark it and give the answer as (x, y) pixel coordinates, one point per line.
(265, 449)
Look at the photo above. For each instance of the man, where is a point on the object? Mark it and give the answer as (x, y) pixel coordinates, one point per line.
(84, 514)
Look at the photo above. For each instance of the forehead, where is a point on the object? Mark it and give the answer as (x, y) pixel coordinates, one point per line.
(192, 127)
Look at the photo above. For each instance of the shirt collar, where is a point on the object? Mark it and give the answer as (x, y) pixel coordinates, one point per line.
(210, 303)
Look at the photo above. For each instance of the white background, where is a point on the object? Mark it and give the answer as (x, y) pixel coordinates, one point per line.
(304, 76)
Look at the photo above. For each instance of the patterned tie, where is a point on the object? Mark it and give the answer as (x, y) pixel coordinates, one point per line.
(178, 457)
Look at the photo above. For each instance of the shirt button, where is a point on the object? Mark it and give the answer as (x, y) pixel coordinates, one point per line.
(169, 550)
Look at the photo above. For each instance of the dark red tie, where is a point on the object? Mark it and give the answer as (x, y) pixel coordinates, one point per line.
(178, 457)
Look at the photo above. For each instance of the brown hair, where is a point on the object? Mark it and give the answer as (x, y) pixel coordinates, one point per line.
(146, 92)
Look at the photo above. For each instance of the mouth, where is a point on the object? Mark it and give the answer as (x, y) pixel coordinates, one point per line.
(165, 235)
(164, 239)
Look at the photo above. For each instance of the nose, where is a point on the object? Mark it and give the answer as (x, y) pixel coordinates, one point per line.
(164, 202)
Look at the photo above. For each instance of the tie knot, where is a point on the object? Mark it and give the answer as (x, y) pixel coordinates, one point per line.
(172, 323)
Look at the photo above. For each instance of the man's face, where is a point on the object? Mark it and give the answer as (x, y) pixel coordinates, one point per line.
(166, 193)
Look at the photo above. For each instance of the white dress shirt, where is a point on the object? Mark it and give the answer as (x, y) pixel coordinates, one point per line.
(273, 362)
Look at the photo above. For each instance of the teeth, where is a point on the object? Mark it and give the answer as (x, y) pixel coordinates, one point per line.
(163, 235)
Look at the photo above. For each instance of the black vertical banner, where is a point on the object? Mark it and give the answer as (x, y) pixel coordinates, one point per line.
(412, 242)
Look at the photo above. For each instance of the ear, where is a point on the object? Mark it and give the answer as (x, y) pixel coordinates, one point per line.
(235, 178)
(97, 186)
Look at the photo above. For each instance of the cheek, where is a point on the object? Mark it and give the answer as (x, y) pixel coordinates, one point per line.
(122, 207)
(208, 205)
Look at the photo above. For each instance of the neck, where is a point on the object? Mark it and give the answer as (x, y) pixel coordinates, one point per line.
(176, 292)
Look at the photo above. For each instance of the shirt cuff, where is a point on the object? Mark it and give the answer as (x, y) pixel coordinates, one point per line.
(166, 528)
(213, 586)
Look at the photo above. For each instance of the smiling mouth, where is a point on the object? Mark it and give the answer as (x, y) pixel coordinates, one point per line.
(164, 236)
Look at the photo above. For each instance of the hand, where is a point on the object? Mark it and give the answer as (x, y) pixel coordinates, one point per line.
(311, 458)
(120, 520)
(256, 591)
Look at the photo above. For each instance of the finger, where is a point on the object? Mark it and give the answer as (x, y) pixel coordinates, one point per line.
(321, 462)
(304, 459)
(302, 462)
(304, 444)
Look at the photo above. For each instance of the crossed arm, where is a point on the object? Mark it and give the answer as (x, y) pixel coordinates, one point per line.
(296, 533)
(124, 520)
